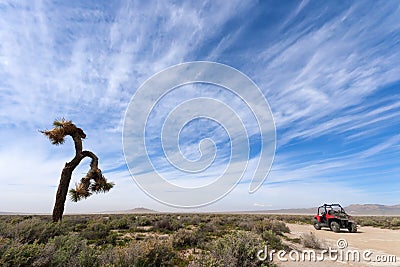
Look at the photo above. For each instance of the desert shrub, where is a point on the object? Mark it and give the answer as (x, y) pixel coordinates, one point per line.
(18, 254)
(193, 219)
(232, 220)
(79, 227)
(112, 239)
(205, 260)
(143, 221)
(237, 249)
(69, 250)
(395, 223)
(208, 227)
(131, 217)
(367, 222)
(4, 224)
(142, 253)
(13, 219)
(32, 230)
(167, 225)
(246, 225)
(311, 241)
(51, 230)
(298, 219)
(96, 232)
(206, 217)
(389, 222)
(273, 240)
(25, 231)
(206, 232)
(277, 227)
(75, 222)
(160, 254)
(217, 221)
(108, 256)
(4, 244)
(121, 224)
(185, 238)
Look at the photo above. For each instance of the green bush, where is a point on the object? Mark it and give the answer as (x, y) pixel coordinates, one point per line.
(120, 224)
(18, 254)
(395, 223)
(141, 254)
(167, 225)
(273, 240)
(159, 254)
(143, 221)
(96, 232)
(389, 222)
(190, 219)
(237, 249)
(208, 227)
(67, 250)
(185, 238)
(4, 244)
(51, 230)
(277, 227)
(32, 230)
(75, 222)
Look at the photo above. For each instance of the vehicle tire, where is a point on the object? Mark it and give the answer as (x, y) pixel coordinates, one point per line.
(353, 228)
(317, 226)
(335, 227)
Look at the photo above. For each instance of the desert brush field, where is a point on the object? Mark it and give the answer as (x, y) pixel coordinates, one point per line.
(175, 239)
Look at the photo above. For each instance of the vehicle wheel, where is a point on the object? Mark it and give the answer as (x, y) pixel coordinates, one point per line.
(317, 226)
(335, 227)
(353, 228)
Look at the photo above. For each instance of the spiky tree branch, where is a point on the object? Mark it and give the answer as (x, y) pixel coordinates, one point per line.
(85, 188)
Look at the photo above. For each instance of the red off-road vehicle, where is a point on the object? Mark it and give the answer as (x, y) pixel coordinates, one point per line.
(334, 217)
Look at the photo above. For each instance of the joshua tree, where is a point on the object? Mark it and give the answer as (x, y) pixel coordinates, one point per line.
(93, 182)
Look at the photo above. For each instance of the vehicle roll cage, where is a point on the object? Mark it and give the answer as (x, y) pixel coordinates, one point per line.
(325, 208)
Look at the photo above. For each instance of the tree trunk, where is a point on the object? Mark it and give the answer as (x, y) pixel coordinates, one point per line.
(65, 179)
(62, 192)
(66, 175)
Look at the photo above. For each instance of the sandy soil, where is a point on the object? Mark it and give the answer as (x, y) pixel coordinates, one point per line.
(378, 241)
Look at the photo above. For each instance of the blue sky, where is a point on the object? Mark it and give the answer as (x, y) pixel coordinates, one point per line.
(329, 70)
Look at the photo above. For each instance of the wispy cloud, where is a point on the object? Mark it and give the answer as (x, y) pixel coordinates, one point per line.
(330, 74)
(317, 73)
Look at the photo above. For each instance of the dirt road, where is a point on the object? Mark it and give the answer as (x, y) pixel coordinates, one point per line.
(381, 242)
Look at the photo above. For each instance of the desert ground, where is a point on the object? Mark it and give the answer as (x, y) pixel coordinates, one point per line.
(379, 241)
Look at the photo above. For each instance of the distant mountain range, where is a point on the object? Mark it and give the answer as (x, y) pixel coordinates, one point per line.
(354, 209)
